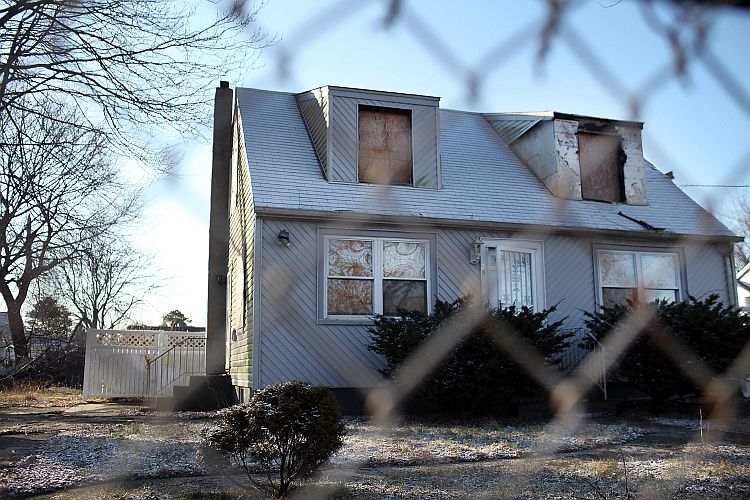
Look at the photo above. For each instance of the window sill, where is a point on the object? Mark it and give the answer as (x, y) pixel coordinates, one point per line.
(353, 321)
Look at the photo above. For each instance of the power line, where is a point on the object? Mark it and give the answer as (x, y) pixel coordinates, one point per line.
(716, 185)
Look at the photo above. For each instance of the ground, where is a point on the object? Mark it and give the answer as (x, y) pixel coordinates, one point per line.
(54, 446)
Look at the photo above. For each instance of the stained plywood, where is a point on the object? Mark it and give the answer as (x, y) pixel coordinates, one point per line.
(385, 146)
(601, 167)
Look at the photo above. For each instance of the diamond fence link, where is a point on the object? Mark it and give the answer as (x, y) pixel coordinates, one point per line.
(687, 35)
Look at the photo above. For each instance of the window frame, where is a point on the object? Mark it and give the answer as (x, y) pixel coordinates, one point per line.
(378, 238)
(394, 109)
(639, 252)
(535, 248)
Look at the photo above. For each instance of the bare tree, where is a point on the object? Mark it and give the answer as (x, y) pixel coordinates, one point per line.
(136, 65)
(58, 189)
(739, 221)
(105, 282)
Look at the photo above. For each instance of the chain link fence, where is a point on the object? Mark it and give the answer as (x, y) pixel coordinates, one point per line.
(687, 33)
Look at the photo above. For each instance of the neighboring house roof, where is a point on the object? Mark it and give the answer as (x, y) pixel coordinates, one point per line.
(743, 277)
(744, 273)
(482, 180)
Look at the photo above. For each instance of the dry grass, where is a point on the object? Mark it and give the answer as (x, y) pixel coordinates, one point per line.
(30, 395)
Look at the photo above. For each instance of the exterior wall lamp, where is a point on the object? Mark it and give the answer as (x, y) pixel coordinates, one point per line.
(283, 238)
(475, 252)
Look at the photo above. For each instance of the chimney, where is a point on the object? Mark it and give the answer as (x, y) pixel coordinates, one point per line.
(218, 231)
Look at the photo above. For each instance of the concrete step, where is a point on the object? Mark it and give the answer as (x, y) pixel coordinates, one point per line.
(203, 393)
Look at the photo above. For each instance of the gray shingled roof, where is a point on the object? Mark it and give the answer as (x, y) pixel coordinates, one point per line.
(482, 179)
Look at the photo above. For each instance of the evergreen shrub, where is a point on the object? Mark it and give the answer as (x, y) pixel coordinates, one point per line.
(284, 433)
(713, 334)
(477, 377)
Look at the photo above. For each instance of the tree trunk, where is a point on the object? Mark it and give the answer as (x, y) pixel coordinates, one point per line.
(17, 331)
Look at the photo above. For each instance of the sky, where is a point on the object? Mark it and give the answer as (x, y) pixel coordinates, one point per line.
(697, 125)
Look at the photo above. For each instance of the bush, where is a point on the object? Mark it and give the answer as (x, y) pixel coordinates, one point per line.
(476, 378)
(286, 430)
(713, 333)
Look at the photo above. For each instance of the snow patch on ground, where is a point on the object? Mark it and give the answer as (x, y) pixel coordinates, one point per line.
(84, 456)
(367, 444)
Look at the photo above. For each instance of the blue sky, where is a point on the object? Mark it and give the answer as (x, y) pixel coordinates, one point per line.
(692, 126)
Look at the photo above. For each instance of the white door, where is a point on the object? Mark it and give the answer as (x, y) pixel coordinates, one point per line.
(512, 273)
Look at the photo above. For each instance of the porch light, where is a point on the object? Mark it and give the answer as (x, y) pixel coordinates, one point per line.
(283, 238)
(476, 251)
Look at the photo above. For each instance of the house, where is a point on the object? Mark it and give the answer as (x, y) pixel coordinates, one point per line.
(743, 288)
(334, 204)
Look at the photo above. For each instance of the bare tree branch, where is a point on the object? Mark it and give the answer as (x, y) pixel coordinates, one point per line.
(135, 65)
(739, 221)
(105, 282)
(59, 189)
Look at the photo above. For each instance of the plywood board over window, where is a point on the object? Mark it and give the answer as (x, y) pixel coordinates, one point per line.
(385, 146)
(601, 161)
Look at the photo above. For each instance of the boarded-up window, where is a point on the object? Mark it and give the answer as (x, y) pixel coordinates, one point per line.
(385, 146)
(601, 161)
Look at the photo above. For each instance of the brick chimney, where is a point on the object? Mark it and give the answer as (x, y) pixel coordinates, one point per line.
(218, 231)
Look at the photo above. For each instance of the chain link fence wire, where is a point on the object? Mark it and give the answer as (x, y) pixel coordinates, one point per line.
(687, 34)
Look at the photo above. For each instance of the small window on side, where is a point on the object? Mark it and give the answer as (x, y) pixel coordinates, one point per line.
(601, 162)
(385, 155)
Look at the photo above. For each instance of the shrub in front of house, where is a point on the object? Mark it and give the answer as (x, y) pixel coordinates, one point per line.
(712, 333)
(476, 377)
(281, 436)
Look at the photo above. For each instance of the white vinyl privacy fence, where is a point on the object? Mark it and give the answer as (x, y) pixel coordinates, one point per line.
(141, 363)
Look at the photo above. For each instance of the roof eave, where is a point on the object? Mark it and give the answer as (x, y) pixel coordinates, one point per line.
(411, 220)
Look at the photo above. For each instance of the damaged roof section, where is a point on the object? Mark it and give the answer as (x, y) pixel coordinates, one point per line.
(578, 157)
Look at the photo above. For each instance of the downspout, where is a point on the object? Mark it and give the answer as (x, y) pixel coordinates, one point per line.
(731, 280)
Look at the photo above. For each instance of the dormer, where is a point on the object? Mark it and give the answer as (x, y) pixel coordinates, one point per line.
(374, 137)
(578, 157)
